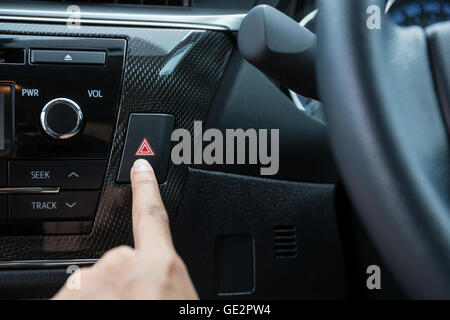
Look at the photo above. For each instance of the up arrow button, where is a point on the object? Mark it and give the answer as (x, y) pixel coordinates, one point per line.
(66, 174)
(73, 174)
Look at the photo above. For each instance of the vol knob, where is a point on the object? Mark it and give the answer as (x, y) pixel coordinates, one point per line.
(61, 118)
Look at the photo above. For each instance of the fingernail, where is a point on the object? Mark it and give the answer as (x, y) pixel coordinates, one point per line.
(141, 165)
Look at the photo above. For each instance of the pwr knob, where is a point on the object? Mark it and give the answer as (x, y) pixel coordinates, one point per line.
(61, 118)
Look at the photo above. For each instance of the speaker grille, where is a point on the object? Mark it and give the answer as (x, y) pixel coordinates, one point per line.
(285, 242)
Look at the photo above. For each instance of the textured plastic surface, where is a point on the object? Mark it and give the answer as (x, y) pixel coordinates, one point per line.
(222, 204)
(152, 83)
(31, 284)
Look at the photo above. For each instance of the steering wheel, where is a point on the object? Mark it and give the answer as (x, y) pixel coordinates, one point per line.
(386, 93)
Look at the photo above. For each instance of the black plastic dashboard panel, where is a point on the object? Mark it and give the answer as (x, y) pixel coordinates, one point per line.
(245, 92)
(185, 91)
(250, 237)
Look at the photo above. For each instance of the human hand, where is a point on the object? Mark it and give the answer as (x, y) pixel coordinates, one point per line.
(151, 270)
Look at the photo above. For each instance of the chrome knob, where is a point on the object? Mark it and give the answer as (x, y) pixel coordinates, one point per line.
(61, 118)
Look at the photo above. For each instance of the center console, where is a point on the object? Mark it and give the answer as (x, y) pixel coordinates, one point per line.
(59, 100)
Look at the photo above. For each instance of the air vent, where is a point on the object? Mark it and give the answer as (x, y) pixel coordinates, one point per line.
(285, 242)
(177, 3)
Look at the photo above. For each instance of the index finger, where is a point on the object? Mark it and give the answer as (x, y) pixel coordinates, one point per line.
(150, 220)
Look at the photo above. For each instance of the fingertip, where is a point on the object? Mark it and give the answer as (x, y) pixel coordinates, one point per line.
(142, 173)
(148, 207)
(141, 165)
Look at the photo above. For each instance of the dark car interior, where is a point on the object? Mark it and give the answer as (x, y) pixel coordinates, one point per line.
(361, 100)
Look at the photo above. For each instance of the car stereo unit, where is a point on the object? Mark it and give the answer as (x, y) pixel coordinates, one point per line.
(59, 100)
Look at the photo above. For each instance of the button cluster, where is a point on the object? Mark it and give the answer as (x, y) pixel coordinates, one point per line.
(50, 190)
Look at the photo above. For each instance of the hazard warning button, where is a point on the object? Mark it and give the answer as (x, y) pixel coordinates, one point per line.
(144, 149)
(148, 137)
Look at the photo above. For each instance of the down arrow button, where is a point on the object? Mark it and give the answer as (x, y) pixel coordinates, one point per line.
(71, 205)
(67, 205)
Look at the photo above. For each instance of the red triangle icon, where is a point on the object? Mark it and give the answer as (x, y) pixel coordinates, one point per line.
(144, 149)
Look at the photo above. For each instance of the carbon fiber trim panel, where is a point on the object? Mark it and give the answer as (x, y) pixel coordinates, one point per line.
(167, 71)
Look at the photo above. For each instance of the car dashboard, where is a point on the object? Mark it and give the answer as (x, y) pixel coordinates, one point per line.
(124, 77)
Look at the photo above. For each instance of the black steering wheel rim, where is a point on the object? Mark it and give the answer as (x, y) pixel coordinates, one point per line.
(389, 138)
